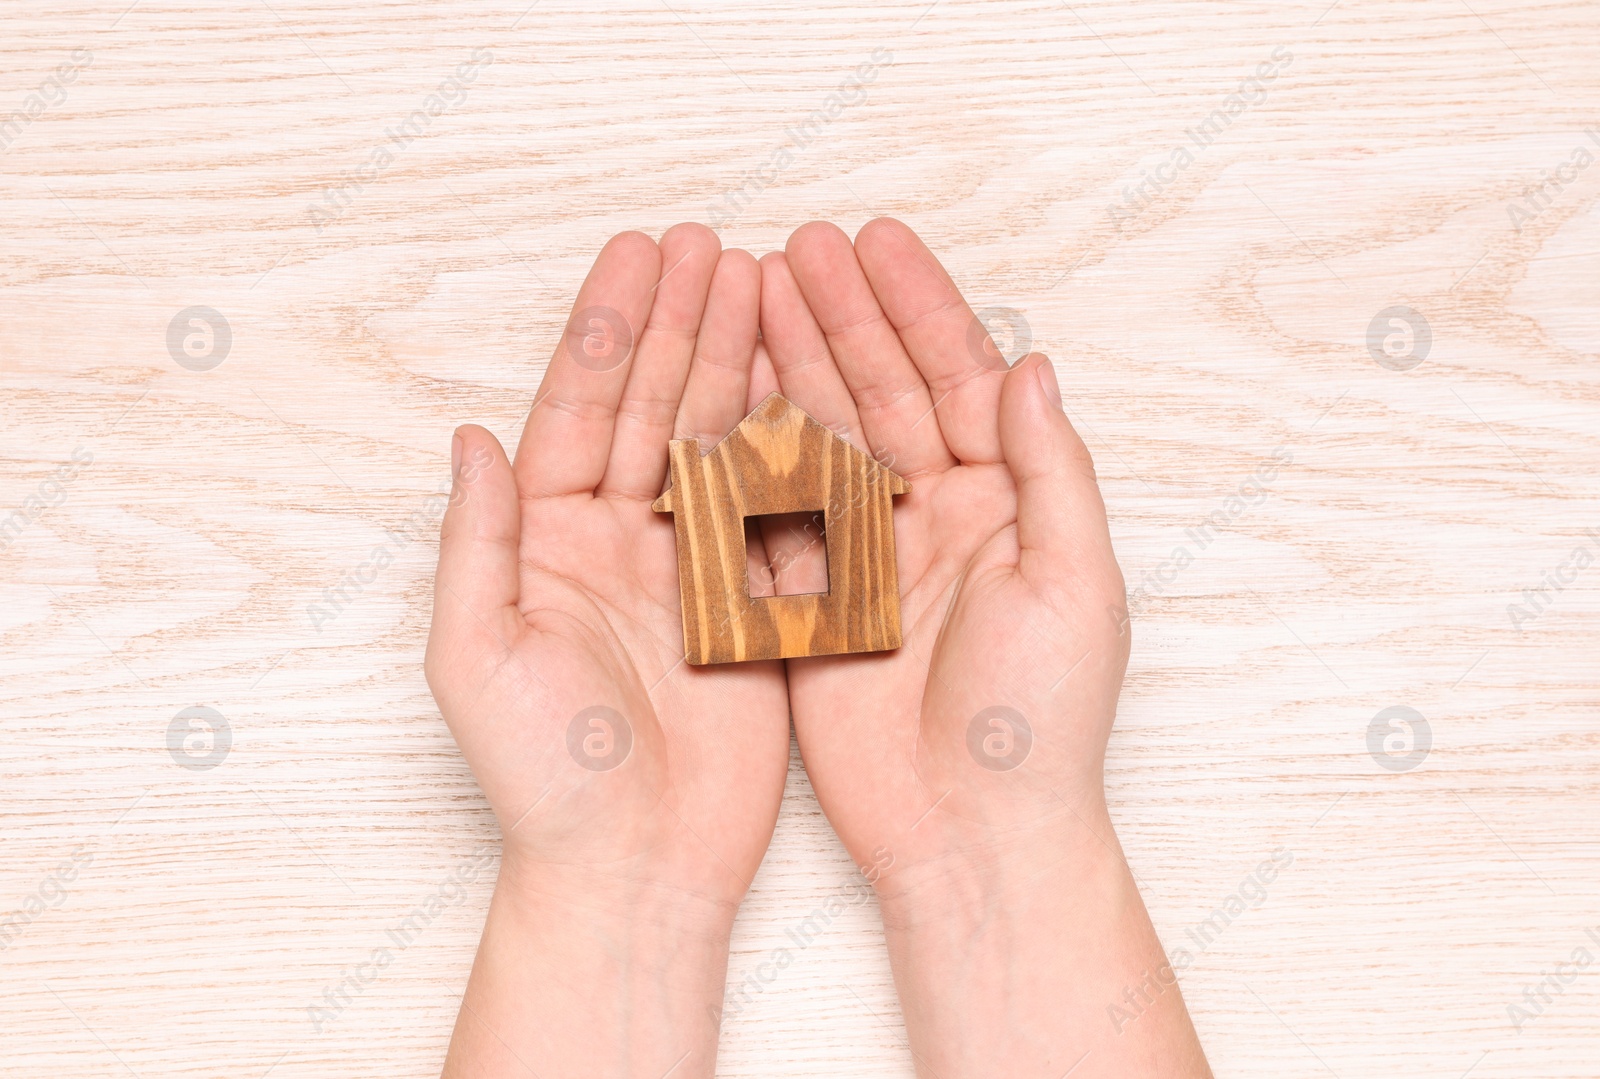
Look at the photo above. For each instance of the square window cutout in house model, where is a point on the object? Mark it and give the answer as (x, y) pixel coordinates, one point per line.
(780, 460)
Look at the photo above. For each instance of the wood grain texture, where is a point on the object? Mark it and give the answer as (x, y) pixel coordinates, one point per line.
(224, 155)
(780, 460)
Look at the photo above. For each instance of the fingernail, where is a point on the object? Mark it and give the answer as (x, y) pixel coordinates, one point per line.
(1048, 383)
(455, 454)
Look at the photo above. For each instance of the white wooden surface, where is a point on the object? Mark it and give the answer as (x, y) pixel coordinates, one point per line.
(1226, 320)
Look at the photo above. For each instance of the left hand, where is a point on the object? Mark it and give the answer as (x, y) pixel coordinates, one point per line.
(636, 794)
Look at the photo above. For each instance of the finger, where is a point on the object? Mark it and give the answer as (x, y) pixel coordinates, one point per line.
(1061, 519)
(660, 367)
(759, 577)
(950, 347)
(891, 397)
(763, 378)
(806, 372)
(796, 549)
(567, 439)
(719, 375)
(475, 587)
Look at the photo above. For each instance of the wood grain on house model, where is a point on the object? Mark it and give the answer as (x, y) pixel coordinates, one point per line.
(780, 460)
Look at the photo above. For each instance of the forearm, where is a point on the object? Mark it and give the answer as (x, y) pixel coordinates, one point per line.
(1040, 962)
(617, 981)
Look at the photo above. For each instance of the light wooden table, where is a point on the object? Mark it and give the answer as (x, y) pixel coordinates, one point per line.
(1204, 315)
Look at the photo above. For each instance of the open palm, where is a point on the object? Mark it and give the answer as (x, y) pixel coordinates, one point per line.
(994, 714)
(556, 651)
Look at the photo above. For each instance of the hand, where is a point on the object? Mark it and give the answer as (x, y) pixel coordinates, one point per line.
(1009, 585)
(636, 794)
(966, 767)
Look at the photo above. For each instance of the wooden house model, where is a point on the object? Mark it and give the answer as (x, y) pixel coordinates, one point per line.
(780, 460)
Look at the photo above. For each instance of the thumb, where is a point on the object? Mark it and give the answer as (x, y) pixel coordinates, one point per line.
(1061, 518)
(476, 586)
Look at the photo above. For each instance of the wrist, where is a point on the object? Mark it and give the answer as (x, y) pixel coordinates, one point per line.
(966, 868)
(643, 911)
(1017, 957)
(593, 973)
